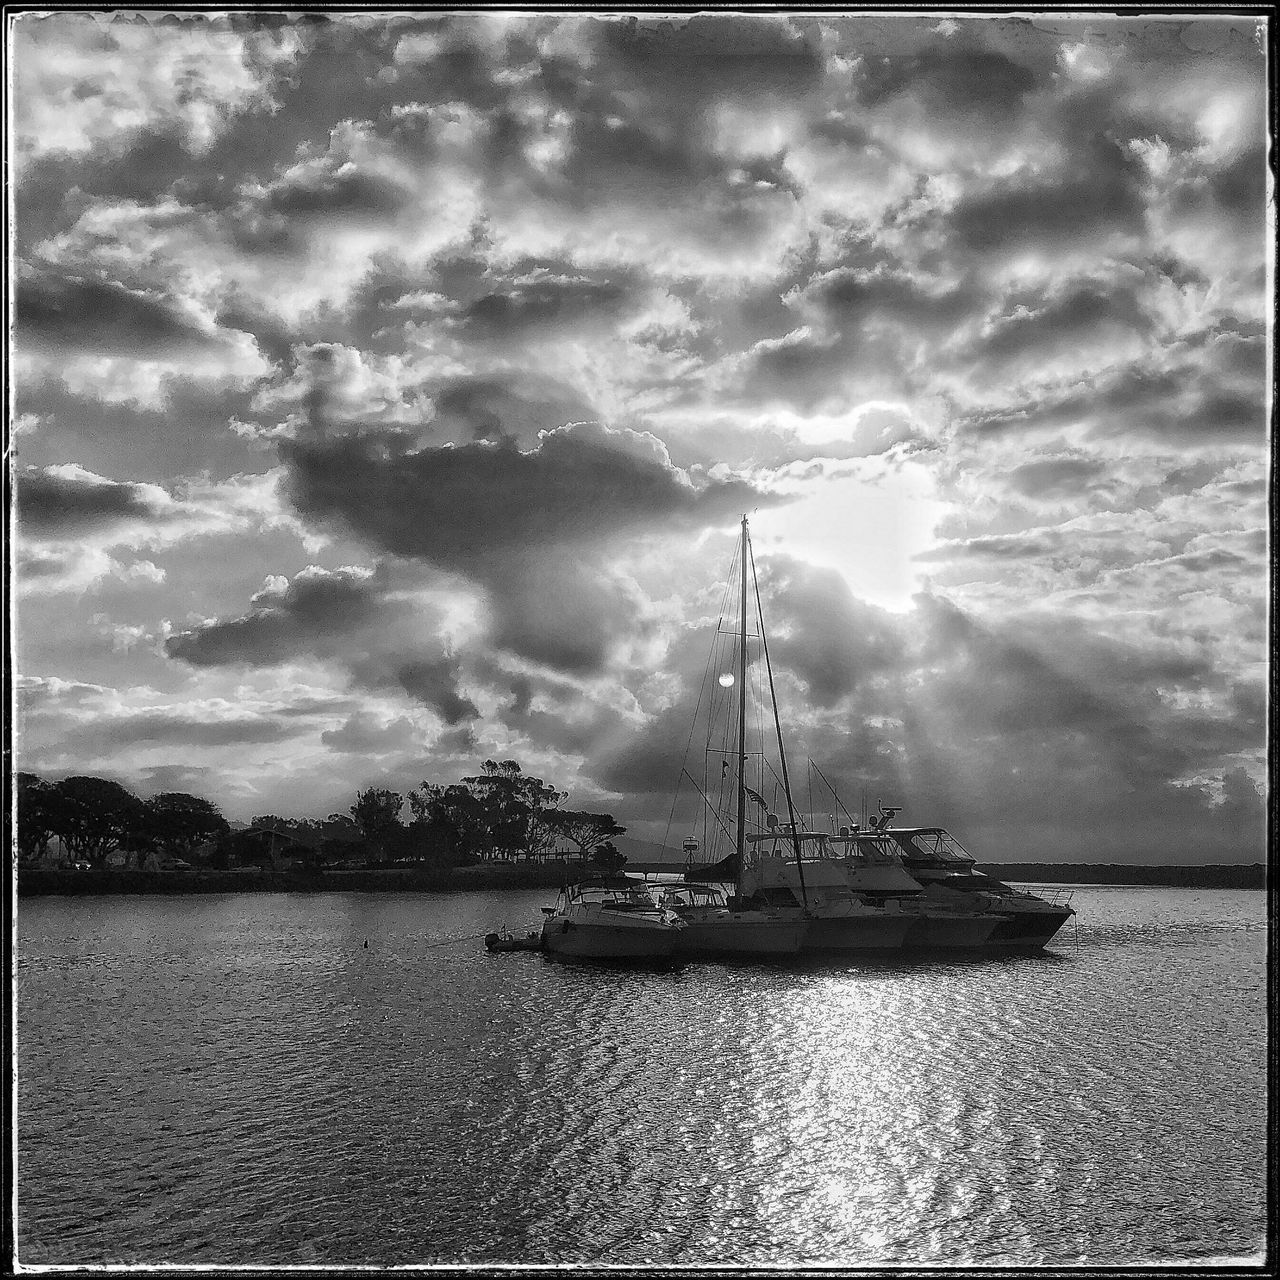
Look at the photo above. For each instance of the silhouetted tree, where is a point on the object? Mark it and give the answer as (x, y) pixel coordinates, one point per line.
(513, 803)
(451, 817)
(377, 813)
(586, 830)
(607, 857)
(35, 817)
(93, 816)
(178, 823)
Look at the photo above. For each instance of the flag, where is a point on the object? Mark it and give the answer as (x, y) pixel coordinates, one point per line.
(757, 797)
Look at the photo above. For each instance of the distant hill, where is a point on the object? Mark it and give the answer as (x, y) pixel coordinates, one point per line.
(648, 851)
(1238, 876)
(648, 855)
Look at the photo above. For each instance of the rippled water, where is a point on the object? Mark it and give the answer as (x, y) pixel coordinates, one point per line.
(239, 1079)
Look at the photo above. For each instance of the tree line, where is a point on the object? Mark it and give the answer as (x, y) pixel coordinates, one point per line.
(502, 813)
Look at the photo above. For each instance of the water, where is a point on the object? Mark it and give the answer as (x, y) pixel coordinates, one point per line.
(238, 1079)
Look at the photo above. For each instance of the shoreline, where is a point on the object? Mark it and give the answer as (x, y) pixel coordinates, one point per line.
(44, 882)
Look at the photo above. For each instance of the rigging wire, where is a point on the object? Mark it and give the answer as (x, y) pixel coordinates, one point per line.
(693, 724)
(773, 697)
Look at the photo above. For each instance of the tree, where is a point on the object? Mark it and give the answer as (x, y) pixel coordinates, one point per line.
(607, 857)
(451, 817)
(93, 816)
(513, 803)
(35, 815)
(586, 830)
(377, 814)
(179, 823)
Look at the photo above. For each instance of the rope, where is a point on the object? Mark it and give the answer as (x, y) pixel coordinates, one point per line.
(470, 937)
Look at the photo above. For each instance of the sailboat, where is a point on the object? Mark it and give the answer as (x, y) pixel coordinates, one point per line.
(780, 893)
(715, 923)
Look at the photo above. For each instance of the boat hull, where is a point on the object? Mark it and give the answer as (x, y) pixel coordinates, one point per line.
(951, 932)
(1028, 928)
(587, 940)
(741, 936)
(878, 931)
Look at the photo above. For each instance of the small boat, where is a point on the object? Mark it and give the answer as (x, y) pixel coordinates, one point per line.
(610, 921)
(507, 941)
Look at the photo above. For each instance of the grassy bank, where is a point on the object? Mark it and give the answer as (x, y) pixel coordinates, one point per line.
(40, 881)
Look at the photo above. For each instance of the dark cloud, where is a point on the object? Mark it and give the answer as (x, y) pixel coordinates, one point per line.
(69, 313)
(348, 616)
(530, 526)
(174, 727)
(361, 735)
(436, 684)
(64, 505)
(332, 191)
(1044, 325)
(312, 610)
(543, 304)
(1240, 186)
(460, 506)
(1049, 719)
(1000, 546)
(855, 296)
(566, 611)
(949, 80)
(163, 778)
(1052, 478)
(515, 408)
(712, 55)
(1203, 390)
(823, 633)
(1101, 191)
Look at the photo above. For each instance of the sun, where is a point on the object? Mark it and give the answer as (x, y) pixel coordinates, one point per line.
(867, 525)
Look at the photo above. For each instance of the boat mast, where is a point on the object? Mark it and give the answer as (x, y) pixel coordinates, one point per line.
(782, 751)
(742, 718)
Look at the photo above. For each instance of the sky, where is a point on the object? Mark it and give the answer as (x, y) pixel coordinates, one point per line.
(386, 392)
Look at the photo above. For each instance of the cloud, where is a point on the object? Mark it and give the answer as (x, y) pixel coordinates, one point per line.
(99, 720)
(86, 83)
(118, 345)
(457, 506)
(529, 526)
(365, 734)
(428, 256)
(104, 318)
(1099, 193)
(1050, 478)
(540, 303)
(384, 637)
(947, 80)
(67, 500)
(287, 617)
(436, 684)
(823, 634)
(75, 525)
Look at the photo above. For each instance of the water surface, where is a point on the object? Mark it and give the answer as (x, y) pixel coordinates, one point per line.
(239, 1079)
